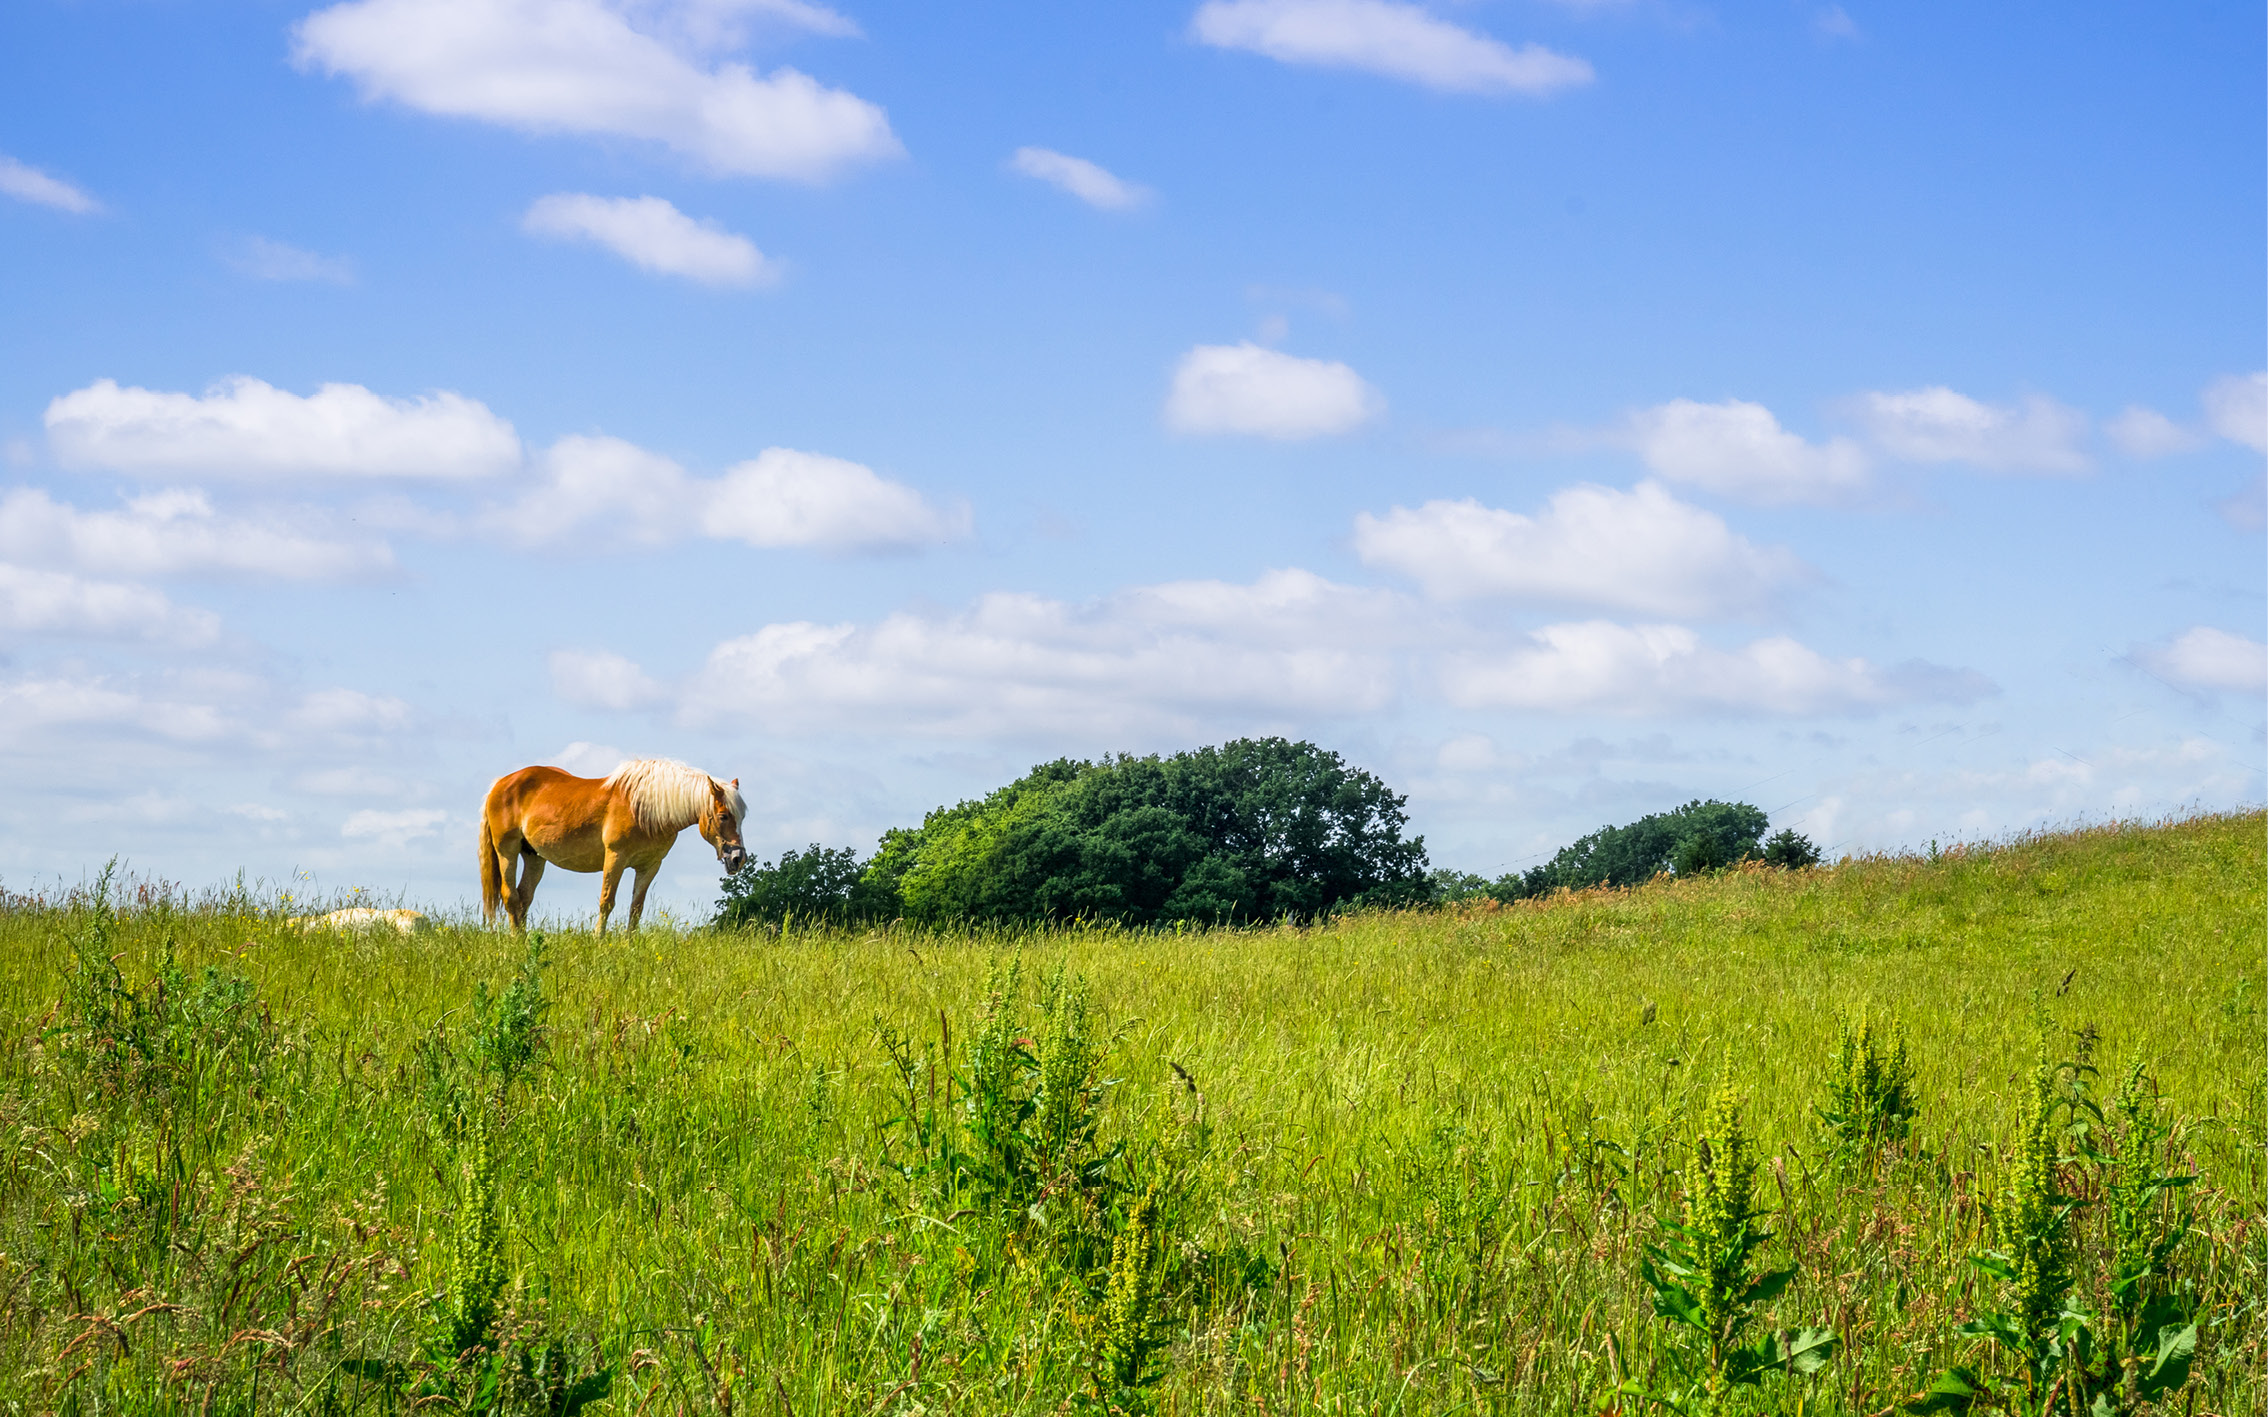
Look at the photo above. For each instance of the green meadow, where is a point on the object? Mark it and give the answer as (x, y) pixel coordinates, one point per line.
(1418, 1162)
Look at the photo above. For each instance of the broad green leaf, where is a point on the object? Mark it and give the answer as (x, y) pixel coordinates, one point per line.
(2176, 1348)
(1809, 1349)
(1954, 1390)
(1768, 1288)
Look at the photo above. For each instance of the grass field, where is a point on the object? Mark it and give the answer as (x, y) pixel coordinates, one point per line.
(1399, 1163)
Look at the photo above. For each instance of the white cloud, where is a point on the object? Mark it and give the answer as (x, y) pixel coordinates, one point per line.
(242, 427)
(174, 533)
(53, 603)
(28, 184)
(349, 713)
(1641, 551)
(2142, 432)
(1740, 450)
(353, 780)
(1596, 666)
(588, 759)
(1244, 388)
(653, 235)
(597, 679)
(2206, 658)
(1937, 424)
(1092, 184)
(2236, 406)
(397, 828)
(1382, 37)
(782, 497)
(1160, 660)
(263, 259)
(587, 67)
(35, 707)
(633, 494)
(724, 24)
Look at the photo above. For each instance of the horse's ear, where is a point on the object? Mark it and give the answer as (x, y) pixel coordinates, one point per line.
(736, 782)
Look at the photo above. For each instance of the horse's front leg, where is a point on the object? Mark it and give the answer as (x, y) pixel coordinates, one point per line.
(646, 876)
(608, 883)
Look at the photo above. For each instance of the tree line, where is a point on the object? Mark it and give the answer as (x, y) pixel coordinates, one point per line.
(1255, 829)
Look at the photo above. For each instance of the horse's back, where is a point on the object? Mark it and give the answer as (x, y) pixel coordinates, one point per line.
(559, 814)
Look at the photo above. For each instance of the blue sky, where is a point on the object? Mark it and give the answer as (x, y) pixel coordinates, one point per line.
(1563, 409)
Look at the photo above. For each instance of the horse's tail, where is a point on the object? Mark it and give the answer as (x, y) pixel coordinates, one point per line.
(491, 871)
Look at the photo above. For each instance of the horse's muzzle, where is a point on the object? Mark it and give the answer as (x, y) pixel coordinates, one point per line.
(732, 858)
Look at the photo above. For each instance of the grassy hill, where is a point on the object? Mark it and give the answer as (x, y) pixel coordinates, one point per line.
(1396, 1163)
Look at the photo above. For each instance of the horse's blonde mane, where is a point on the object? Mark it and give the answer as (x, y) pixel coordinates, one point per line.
(667, 794)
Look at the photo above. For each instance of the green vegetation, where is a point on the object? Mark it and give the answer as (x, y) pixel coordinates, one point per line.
(1696, 838)
(1622, 1150)
(1257, 829)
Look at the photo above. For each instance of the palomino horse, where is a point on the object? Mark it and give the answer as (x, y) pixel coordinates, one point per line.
(626, 820)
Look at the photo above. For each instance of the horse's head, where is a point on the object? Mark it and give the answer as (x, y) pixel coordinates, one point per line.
(720, 824)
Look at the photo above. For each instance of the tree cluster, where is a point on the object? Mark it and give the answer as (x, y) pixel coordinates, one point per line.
(1257, 829)
(1695, 839)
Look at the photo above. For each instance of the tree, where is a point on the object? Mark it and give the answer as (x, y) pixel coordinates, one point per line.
(813, 886)
(1254, 829)
(1699, 836)
(1791, 850)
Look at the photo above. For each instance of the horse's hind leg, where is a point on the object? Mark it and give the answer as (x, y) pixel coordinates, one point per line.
(523, 895)
(646, 876)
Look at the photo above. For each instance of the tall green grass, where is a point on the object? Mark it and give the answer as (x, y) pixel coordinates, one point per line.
(1397, 1163)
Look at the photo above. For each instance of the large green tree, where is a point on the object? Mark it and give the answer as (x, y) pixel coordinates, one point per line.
(1255, 829)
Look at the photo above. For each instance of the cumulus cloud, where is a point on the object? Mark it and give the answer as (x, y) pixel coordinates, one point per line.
(1738, 449)
(1937, 424)
(2206, 658)
(262, 259)
(1160, 660)
(1398, 41)
(2236, 406)
(1245, 388)
(1596, 666)
(2142, 432)
(585, 759)
(653, 235)
(636, 495)
(174, 533)
(242, 427)
(597, 679)
(780, 498)
(35, 707)
(28, 184)
(38, 602)
(1090, 183)
(1641, 551)
(603, 68)
(394, 828)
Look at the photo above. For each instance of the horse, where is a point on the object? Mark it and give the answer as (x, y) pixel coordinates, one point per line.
(627, 820)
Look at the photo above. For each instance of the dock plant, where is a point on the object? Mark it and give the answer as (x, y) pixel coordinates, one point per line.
(1706, 1283)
